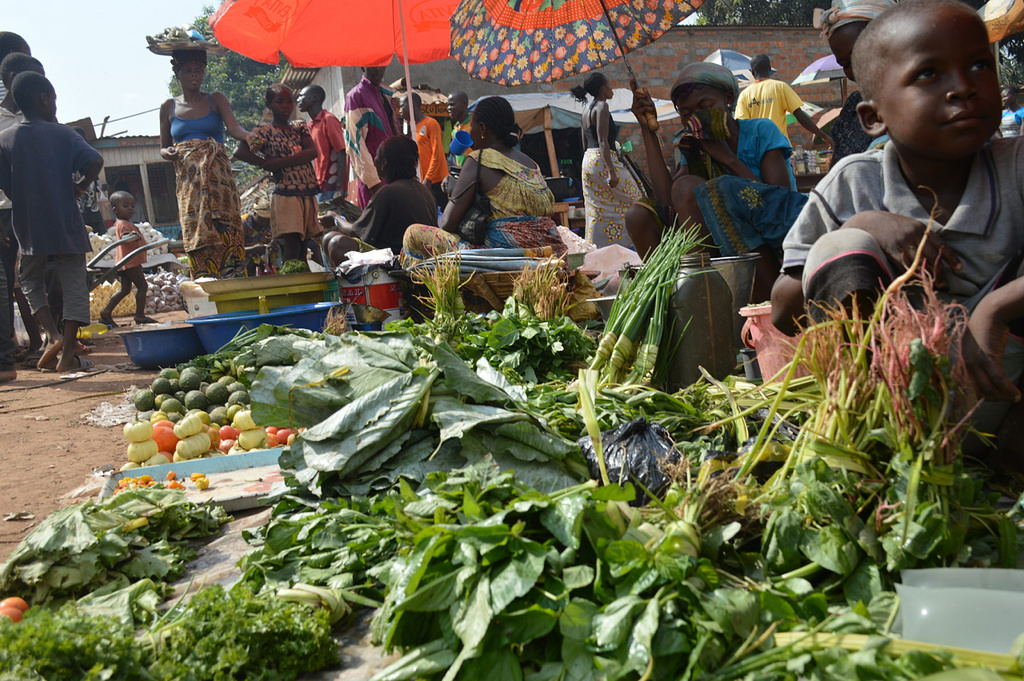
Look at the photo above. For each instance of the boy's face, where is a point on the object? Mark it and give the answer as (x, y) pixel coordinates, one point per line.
(282, 105)
(124, 209)
(48, 106)
(939, 97)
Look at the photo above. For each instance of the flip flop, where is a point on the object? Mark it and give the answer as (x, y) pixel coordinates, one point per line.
(145, 320)
(109, 322)
(83, 365)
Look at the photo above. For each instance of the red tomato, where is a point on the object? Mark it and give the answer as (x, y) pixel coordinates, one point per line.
(229, 433)
(272, 440)
(226, 445)
(271, 430)
(14, 602)
(12, 613)
(165, 438)
(284, 433)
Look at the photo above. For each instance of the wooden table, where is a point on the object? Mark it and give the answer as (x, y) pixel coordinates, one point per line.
(805, 182)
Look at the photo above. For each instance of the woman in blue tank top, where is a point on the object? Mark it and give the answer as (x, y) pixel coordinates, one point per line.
(192, 137)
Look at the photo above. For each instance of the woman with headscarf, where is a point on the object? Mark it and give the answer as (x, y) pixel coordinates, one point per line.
(192, 137)
(734, 178)
(521, 203)
(609, 188)
(841, 24)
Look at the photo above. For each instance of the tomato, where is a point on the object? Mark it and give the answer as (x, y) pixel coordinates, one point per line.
(14, 602)
(272, 441)
(284, 433)
(226, 445)
(291, 439)
(229, 433)
(271, 430)
(165, 438)
(12, 613)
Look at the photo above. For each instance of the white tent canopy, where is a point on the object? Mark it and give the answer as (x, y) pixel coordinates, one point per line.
(565, 112)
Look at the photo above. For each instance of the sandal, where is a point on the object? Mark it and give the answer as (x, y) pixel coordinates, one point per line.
(145, 320)
(83, 365)
(109, 321)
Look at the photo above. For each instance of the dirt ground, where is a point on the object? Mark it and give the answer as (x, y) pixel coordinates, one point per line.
(48, 448)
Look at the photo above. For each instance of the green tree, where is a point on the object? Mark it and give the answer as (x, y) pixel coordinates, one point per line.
(760, 12)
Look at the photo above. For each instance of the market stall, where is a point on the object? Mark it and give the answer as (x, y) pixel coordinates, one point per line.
(516, 491)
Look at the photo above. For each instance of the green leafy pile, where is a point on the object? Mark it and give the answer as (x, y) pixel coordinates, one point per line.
(217, 635)
(515, 341)
(134, 535)
(377, 408)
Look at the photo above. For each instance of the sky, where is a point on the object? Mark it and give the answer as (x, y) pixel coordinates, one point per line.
(96, 57)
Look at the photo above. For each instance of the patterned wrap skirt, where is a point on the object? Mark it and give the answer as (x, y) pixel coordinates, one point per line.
(606, 206)
(422, 242)
(209, 209)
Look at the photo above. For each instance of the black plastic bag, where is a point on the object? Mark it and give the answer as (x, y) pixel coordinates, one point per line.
(634, 452)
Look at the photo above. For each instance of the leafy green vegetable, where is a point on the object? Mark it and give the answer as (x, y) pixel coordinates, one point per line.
(217, 635)
(81, 548)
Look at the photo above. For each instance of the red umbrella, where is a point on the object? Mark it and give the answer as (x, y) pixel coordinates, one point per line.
(512, 42)
(311, 33)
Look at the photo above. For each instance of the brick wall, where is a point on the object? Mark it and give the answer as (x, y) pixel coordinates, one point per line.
(657, 64)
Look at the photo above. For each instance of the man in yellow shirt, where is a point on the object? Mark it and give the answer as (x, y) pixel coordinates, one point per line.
(773, 99)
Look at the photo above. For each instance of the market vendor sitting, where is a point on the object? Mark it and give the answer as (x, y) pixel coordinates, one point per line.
(929, 80)
(734, 179)
(402, 201)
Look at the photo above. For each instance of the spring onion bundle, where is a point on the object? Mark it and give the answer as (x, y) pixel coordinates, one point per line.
(640, 309)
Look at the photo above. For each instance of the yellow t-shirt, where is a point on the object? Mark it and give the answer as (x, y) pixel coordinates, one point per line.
(769, 98)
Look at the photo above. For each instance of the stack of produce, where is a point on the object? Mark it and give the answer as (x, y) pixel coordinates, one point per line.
(143, 450)
(172, 395)
(163, 295)
(250, 436)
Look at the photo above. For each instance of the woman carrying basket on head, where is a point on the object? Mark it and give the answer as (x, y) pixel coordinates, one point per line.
(192, 137)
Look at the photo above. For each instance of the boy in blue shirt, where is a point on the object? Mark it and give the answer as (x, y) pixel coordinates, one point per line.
(930, 82)
(38, 158)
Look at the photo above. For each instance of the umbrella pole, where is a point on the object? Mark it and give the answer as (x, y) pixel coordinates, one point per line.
(650, 121)
(408, 79)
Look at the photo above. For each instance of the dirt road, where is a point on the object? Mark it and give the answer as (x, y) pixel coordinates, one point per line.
(48, 448)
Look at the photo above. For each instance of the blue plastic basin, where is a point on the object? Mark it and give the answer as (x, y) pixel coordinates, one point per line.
(162, 346)
(217, 329)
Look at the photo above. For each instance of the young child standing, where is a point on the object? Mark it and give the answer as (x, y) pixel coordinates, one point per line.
(929, 81)
(286, 149)
(37, 160)
(123, 206)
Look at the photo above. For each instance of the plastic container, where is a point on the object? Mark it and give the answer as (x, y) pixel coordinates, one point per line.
(981, 619)
(196, 300)
(701, 331)
(162, 346)
(774, 349)
(216, 330)
(376, 288)
(250, 301)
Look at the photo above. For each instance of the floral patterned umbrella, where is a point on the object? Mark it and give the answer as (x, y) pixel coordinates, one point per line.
(513, 42)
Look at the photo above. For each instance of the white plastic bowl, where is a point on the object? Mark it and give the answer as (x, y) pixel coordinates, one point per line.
(981, 619)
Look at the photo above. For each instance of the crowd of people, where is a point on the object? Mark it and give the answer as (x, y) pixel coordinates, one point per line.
(926, 149)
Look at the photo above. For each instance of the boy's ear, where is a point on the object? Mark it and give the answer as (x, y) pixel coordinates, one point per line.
(870, 119)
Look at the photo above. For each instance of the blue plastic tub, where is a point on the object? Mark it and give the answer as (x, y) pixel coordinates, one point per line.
(162, 346)
(217, 329)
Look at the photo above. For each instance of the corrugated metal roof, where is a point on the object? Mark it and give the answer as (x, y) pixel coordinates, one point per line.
(298, 78)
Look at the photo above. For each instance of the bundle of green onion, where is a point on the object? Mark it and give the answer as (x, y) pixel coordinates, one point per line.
(641, 308)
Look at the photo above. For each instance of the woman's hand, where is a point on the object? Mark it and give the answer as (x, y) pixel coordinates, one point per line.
(643, 106)
(613, 178)
(169, 153)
